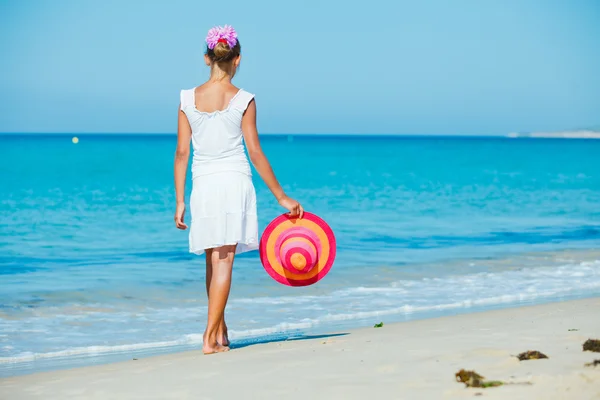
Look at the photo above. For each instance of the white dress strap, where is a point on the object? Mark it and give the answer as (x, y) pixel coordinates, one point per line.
(242, 99)
(186, 98)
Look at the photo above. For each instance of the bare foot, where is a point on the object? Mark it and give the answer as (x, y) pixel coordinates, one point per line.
(222, 335)
(212, 349)
(209, 347)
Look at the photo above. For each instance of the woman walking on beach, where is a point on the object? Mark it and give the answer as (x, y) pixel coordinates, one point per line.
(218, 118)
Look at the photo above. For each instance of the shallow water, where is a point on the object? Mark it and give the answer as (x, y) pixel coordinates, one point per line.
(91, 265)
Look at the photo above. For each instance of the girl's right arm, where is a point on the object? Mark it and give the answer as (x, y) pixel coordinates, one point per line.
(262, 165)
(182, 156)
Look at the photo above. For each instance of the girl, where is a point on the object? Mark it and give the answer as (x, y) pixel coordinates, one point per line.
(215, 116)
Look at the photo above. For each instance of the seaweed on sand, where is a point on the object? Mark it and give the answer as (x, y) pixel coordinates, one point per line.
(592, 345)
(593, 363)
(379, 325)
(473, 379)
(531, 355)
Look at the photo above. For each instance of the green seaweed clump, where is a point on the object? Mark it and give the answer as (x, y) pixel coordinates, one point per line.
(593, 363)
(473, 379)
(379, 325)
(531, 355)
(592, 345)
(488, 384)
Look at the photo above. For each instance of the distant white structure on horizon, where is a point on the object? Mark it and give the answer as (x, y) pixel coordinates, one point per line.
(583, 134)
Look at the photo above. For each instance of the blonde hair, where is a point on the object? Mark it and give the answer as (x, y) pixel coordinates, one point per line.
(223, 54)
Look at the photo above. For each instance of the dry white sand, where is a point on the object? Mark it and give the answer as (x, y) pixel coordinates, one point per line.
(412, 360)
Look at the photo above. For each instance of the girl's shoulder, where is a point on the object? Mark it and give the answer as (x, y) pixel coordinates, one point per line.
(242, 99)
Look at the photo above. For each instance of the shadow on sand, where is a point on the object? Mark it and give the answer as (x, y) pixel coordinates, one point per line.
(239, 344)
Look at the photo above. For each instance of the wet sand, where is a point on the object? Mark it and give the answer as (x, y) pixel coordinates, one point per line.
(411, 360)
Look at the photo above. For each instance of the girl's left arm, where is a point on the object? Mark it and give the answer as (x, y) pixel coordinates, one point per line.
(182, 156)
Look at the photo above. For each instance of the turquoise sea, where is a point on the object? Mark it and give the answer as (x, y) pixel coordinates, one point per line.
(92, 268)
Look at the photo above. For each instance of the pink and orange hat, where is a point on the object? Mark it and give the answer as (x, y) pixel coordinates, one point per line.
(297, 252)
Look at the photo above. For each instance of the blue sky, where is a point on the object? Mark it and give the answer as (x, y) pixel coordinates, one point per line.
(403, 67)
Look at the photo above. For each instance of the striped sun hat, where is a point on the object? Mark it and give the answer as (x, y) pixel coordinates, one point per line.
(297, 252)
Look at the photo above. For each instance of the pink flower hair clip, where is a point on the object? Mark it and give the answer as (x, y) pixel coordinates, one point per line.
(221, 34)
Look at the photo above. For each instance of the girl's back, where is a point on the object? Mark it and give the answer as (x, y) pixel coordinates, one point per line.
(211, 97)
(214, 112)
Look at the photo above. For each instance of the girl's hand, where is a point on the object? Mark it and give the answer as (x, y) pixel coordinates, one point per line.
(179, 214)
(292, 206)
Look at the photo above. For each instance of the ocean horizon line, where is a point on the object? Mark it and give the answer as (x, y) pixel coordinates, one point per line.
(260, 134)
(369, 136)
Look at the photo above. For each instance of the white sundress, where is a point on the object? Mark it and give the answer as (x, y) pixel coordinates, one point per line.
(223, 199)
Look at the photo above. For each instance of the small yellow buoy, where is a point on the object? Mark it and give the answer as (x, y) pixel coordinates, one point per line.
(75, 140)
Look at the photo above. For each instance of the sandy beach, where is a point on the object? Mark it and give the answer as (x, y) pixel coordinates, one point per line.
(410, 360)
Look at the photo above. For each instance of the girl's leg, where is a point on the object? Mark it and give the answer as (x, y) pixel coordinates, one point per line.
(222, 337)
(218, 293)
